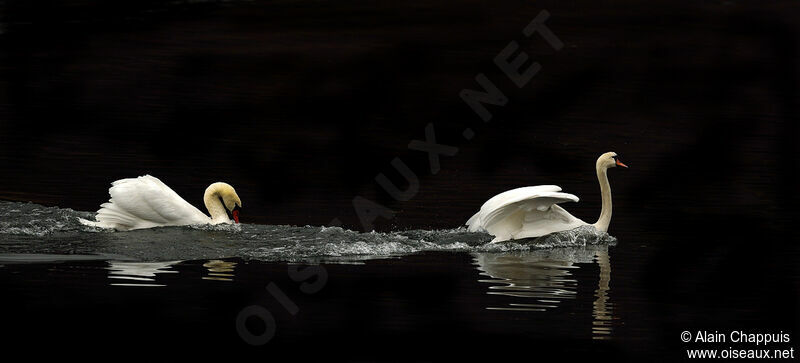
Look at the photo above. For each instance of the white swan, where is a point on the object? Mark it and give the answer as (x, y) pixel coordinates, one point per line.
(146, 202)
(533, 211)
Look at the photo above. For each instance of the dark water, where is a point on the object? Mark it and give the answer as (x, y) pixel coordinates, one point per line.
(301, 105)
(329, 293)
(187, 286)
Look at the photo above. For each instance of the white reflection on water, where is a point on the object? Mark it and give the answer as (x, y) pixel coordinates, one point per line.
(219, 270)
(141, 274)
(601, 308)
(540, 280)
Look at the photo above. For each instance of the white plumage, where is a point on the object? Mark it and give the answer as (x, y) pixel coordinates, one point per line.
(525, 212)
(534, 211)
(146, 202)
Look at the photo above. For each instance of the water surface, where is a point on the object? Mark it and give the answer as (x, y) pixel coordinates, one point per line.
(381, 287)
(332, 293)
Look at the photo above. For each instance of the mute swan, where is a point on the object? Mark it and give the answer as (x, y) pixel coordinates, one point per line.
(146, 202)
(533, 211)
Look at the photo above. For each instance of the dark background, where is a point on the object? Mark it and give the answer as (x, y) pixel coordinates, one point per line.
(300, 104)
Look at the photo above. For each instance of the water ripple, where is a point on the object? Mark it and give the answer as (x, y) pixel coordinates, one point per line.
(27, 228)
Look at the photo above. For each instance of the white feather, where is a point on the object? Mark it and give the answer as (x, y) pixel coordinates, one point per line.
(524, 213)
(533, 211)
(145, 202)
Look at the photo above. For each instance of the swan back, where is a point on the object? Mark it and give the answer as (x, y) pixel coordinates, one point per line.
(145, 202)
(525, 212)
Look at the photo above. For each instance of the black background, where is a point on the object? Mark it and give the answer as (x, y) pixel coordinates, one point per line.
(300, 104)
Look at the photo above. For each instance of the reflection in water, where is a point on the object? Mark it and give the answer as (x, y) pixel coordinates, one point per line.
(219, 270)
(143, 273)
(601, 309)
(541, 279)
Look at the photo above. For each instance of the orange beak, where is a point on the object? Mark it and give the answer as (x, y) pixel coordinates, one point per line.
(235, 214)
(619, 163)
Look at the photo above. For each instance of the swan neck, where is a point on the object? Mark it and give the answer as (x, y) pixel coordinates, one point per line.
(605, 193)
(216, 209)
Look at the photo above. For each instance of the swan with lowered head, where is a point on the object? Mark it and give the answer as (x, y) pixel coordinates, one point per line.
(534, 212)
(146, 202)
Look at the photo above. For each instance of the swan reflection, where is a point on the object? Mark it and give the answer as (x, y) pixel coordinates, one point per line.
(542, 279)
(142, 274)
(601, 308)
(219, 270)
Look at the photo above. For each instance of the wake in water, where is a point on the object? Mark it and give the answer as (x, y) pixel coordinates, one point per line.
(27, 228)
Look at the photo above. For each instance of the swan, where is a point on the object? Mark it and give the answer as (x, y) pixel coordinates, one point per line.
(534, 212)
(146, 202)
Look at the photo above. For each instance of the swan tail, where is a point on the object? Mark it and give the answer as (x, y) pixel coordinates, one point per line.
(96, 224)
(501, 238)
(473, 223)
(111, 214)
(89, 223)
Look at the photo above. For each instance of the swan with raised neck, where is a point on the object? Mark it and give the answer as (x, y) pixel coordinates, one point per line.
(604, 162)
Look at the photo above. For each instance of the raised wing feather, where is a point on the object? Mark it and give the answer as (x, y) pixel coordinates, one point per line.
(145, 202)
(525, 212)
(516, 195)
(537, 202)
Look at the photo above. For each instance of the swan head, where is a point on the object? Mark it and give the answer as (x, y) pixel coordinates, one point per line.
(609, 160)
(227, 195)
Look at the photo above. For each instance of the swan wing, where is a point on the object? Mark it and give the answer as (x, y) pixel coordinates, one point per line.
(525, 212)
(516, 195)
(476, 222)
(537, 223)
(146, 202)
